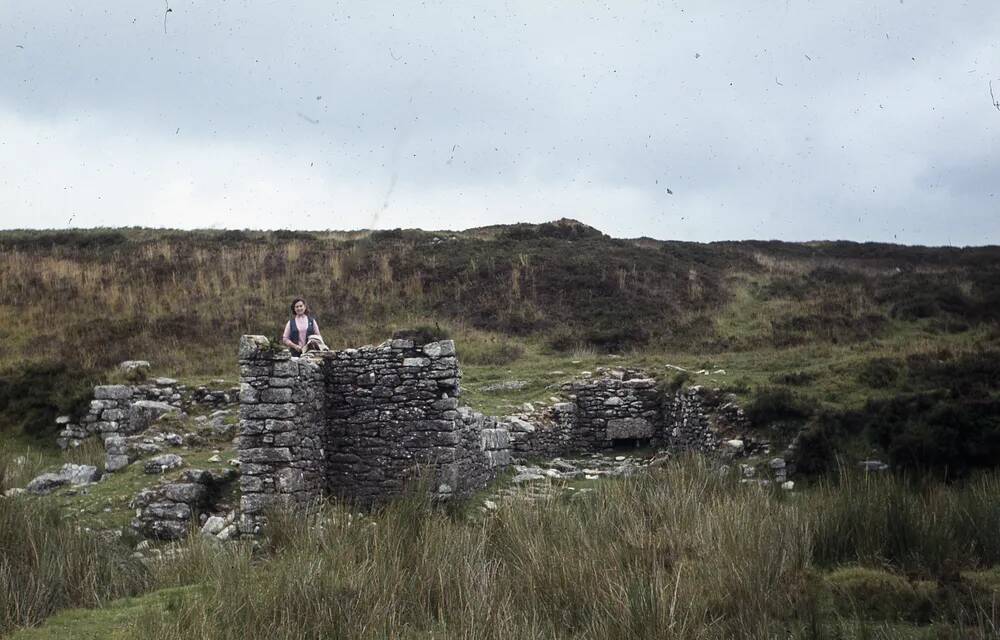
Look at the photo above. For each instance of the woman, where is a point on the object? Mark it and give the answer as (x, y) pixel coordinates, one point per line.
(301, 329)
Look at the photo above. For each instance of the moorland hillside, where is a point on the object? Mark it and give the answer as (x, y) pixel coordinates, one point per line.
(827, 341)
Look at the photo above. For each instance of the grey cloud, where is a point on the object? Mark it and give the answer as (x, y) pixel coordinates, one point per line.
(786, 120)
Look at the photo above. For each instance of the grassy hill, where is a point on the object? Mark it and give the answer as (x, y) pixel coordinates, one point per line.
(824, 334)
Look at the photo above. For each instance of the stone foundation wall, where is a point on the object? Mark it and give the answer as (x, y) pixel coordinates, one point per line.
(620, 407)
(623, 407)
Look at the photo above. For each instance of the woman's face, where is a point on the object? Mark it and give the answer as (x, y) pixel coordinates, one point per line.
(300, 308)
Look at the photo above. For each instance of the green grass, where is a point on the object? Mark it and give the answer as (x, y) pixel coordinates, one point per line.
(681, 551)
(109, 622)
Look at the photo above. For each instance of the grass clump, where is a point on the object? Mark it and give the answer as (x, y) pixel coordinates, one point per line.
(47, 563)
(883, 520)
(874, 594)
(497, 352)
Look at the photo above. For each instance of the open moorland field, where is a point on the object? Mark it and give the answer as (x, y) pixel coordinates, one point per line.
(849, 350)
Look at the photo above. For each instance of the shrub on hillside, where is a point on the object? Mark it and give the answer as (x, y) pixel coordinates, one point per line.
(834, 327)
(775, 405)
(879, 373)
(421, 334)
(33, 395)
(873, 594)
(562, 340)
(837, 276)
(815, 450)
(913, 296)
(971, 374)
(937, 431)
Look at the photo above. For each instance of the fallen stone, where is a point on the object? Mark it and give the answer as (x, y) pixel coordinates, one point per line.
(79, 474)
(115, 462)
(188, 492)
(519, 425)
(163, 463)
(75, 474)
(873, 465)
(213, 525)
(134, 366)
(46, 484)
(526, 477)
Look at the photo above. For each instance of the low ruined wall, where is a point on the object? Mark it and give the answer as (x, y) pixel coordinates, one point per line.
(621, 407)
(125, 409)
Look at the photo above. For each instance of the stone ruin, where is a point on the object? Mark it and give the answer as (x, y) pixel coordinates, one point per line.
(361, 424)
(120, 413)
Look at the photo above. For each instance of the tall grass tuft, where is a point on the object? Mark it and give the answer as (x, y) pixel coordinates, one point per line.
(883, 520)
(47, 563)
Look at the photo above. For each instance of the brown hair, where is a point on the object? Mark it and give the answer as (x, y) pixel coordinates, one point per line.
(296, 301)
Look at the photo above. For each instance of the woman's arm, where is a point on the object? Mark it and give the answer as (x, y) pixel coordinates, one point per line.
(285, 340)
(316, 328)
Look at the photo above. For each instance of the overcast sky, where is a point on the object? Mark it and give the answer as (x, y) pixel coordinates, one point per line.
(695, 120)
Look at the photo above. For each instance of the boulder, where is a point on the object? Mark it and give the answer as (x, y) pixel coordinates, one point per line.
(79, 473)
(143, 413)
(115, 462)
(518, 425)
(74, 474)
(213, 526)
(46, 484)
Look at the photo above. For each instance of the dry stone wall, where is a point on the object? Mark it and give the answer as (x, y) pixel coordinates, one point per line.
(620, 407)
(281, 431)
(624, 407)
(359, 424)
(126, 409)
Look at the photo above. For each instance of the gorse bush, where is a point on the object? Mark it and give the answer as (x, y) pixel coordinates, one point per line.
(879, 373)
